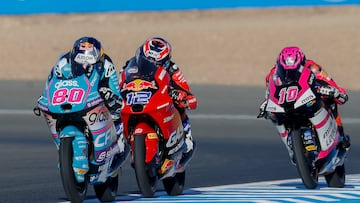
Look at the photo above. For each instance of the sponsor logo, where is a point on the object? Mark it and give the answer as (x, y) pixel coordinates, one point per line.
(105, 154)
(94, 80)
(66, 83)
(152, 136)
(169, 118)
(110, 69)
(138, 131)
(176, 148)
(101, 156)
(81, 171)
(133, 69)
(310, 103)
(94, 102)
(138, 85)
(43, 107)
(102, 139)
(166, 165)
(153, 54)
(86, 46)
(80, 158)
(98, 117)
(85, 58)
(308, 99)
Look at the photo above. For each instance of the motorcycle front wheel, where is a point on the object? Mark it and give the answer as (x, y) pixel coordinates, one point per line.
(75, 191)
(146, 182)
(308, 173)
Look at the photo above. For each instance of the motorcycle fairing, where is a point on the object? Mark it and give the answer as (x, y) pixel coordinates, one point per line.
(70, 95)
(153, 116)
(288, 98)
(102, 131)
(327, 131)
(296, 94)
(158, 105)
(151, 140)
(78, 99)
(170, 166)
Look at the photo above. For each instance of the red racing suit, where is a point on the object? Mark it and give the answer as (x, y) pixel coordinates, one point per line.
(181, 93)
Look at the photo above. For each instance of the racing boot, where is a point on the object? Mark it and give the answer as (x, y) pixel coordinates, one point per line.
(345, 143)
(189, 144)
(286, 138)
(124, 147)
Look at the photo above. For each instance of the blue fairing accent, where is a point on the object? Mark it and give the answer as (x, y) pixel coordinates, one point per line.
(70, 131)
(63, 96)
(80, 148)
(16, 7)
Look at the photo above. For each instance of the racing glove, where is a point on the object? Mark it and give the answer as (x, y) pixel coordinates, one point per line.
(331, 92)
(262, 110)
(180, 98)
(113, 102)
(326, 91)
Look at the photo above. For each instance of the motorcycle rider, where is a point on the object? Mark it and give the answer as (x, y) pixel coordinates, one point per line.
(291, 60)
(157, 50)
(86, 56)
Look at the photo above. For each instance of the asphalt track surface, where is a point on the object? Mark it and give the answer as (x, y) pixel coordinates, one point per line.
(233, 146)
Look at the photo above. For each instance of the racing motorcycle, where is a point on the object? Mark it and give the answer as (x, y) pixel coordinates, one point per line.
(313, 132)
(153, 128)
(84, 134)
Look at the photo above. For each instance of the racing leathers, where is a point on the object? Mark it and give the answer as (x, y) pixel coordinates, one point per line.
(183, 99)
(332, 95)
(107, 87)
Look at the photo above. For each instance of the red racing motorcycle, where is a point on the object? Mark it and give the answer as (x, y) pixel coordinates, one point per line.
(153, 128)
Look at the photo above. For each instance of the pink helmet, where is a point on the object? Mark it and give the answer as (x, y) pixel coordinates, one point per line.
(288, 64)
(290, 58)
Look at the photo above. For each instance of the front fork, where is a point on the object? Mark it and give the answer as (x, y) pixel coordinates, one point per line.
(151, 141)
(80, 162)
(310, 144)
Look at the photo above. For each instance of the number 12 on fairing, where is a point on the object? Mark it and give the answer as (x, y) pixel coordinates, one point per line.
(289, 94)
(138, 98)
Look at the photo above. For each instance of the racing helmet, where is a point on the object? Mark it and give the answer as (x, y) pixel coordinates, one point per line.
(289, 64)
(156, 50)
(86, 51)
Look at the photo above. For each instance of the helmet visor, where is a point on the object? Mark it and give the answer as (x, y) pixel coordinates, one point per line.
(287, 76)
(87, 53)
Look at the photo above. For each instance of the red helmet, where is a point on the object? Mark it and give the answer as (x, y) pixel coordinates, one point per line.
(288, 64)
(156, 50)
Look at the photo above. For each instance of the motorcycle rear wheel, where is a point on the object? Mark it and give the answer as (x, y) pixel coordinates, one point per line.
(75, 191)
(106, 192)
(146, 182)
(337, 178)
(308, 174)
(175, 185)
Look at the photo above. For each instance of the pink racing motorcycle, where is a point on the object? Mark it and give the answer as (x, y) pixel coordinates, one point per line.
(313, 133)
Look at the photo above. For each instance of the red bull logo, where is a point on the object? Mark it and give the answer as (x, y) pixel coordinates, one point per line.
(168, 163)
(86, 46)
(138, 85)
